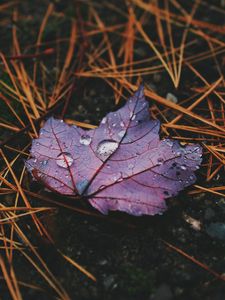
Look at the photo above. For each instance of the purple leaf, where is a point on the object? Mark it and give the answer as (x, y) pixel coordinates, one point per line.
(121, 165)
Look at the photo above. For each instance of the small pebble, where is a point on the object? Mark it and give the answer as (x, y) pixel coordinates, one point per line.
(216, 230)
(163, 292)
(109, 281)
(209, 213)
(172, 98)
(157, 77)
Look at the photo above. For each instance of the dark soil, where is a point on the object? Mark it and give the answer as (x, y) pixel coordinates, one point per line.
(128, 255)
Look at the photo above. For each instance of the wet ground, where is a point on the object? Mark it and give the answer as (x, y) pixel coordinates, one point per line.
(130, 256)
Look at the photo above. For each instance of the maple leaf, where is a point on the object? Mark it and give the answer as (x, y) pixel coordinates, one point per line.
(121, 165)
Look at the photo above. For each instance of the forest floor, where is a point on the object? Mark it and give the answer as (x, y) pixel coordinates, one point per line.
(79, 60)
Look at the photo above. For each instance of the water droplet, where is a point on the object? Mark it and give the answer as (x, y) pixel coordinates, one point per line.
(114, 125)
(121, 133)
(61, 121)
(122, 124)
(120, 179)
(106, 148)
(82, 185)
(85, 140)
(64, 159)
(183, 167)
(130, 166)
(102, 187)
(44, 162)
(133, 117)
(35, 160)
(169, 143)
(194, 157)
(108, 166)
(104, 120)
(160, 160)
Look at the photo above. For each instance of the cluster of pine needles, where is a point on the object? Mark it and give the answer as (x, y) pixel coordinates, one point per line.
(39, 78)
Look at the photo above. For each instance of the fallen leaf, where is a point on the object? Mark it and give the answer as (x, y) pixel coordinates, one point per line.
(121, 165)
